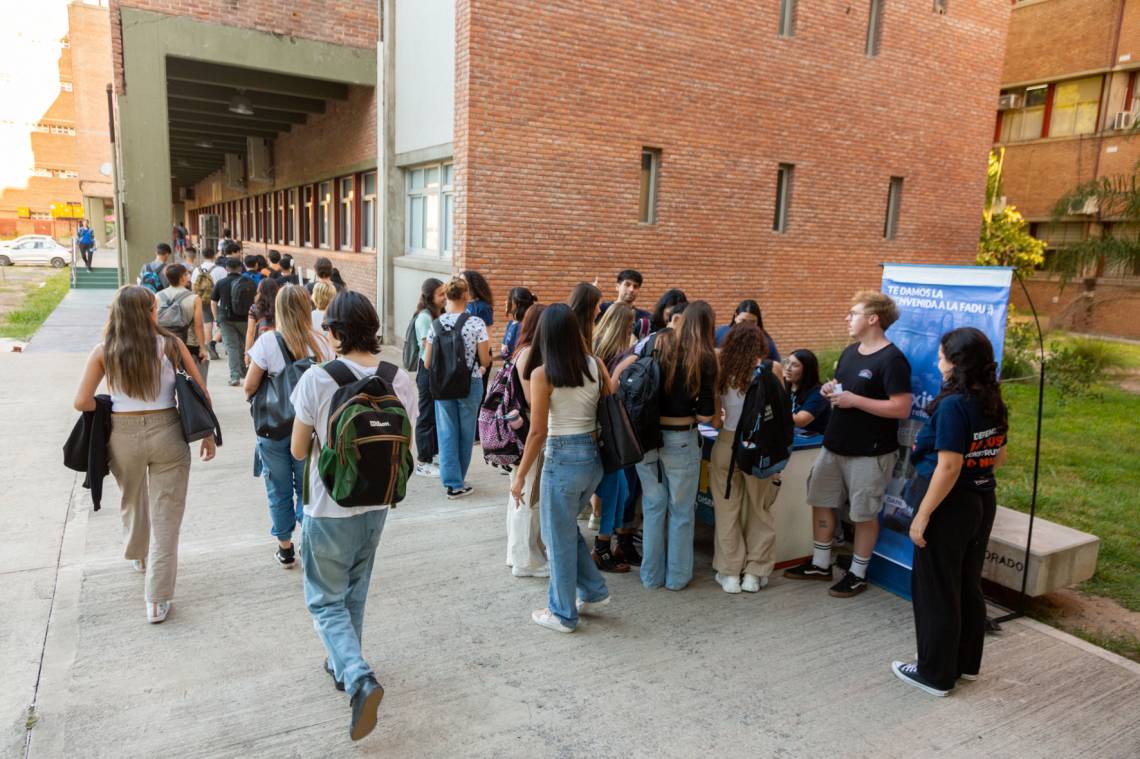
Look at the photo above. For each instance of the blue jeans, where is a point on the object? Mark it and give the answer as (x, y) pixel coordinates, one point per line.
(668, 508)
(613, 492)
(337, 555)
(455, 431)
(571, 472)
(233, 337)
(284, 478)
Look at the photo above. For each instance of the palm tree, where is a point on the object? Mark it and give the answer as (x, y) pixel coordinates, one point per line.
(1114, 201)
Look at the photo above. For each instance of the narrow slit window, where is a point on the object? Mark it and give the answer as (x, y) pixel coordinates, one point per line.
(650, 169)
(894, 202)
(787, 18)
(874, 28)
(783, 197)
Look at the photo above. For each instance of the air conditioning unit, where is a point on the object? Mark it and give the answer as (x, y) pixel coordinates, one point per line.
(185, 194)
(1009, 101)
(260, 155)
(235, 179)
(1088, 207)
(1122, 120)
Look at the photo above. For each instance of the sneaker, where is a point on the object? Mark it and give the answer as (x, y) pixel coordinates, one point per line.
(286, 557)
(234, 383)
(968, 677)
(139, 566)
(728, 583)
(156, 611)
(807, 571)
(908, 673)
(544, 618)
(754, 583)
(453, 493)
(426, 470)
(365, 704)
(213, 352)
(850, 585)
(543, 571)
(594, 523)
(626, 551)
(604, 559)
(337, 683)
(590, 607)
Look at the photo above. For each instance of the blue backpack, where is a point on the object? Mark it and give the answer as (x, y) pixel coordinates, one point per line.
(150, 279)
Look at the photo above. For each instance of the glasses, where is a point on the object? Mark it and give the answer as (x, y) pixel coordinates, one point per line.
(853, 313)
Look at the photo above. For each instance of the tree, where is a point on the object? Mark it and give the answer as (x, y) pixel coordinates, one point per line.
(1005, 238)
(1117, 248)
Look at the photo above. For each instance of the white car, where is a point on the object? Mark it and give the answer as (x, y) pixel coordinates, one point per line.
(34, 249)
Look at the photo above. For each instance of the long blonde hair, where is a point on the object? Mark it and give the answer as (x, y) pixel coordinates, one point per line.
(130, 355)
(614, 331)
(295, 323)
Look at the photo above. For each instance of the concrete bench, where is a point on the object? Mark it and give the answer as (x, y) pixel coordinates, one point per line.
(1058, 557)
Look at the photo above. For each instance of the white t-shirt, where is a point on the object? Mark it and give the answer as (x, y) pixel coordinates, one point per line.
(217, 273)
(267, 354)
(474, 332)
(318, 317)
(311, 400)
(733, 403)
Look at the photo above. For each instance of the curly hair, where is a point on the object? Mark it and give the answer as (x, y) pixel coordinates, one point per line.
(745, 345)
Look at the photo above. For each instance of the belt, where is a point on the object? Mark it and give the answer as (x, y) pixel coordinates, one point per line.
(679, 427)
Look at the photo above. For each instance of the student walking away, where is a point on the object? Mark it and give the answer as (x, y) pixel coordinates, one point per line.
(745, 534)
(223, 243)
(628, 288)
(810, 411)
(519, 299)
(670, 471)
(325, 272)
(280, 357)
(566, 382)
(457, 351)
(204, 277)
(286, 273)
(480, 301)
(871, 392)
(748, 312)
(585, 301)
(667, 305)
(274, 263)
(262, 313)
(526, 553)
(231, 319)
(322, 295)
(180, 313)
(433, 297)
(85, 237)
(955, 456)
(178, 234)
(150, 275)
(149, 456)
(341, 536)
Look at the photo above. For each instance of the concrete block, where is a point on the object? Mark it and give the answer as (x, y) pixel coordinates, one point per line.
(1059, 556)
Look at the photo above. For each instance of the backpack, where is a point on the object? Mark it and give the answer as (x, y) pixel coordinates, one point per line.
(204, 285)
(149, 277)
(762, 444)
(502, 441)
(640, 392)
(270, 407)
(449, 373)
(170, 314)
(411, 346)
(243, 291)
(366, 458)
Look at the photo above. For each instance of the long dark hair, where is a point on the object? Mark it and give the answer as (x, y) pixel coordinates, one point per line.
(749, 306)
(519, 299)
(528, 330)
(559, 348)
(809, 377)
(266, 301)
(427, 296)
(478, 287)
(668, 299)
(745, 345)
(974, 374)
(584, 299)
(684, 355)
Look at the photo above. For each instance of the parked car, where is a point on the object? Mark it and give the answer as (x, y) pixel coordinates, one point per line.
(34, 249)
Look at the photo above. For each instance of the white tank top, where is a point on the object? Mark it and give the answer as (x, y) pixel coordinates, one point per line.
(165, 398)
(733, 402)
(574, 410)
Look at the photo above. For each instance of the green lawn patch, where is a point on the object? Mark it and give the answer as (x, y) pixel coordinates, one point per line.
(37, 306)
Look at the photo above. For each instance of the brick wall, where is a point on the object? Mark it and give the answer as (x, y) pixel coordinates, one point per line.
(554, 106)
(91, 63)
(1058, 37)
(357, 269)
(1111, 309)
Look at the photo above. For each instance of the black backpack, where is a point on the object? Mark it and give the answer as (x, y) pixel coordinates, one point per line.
(411, 346)
(243, 291)
(762, 444)
(640, 392)
(449, 373)
(270, 407)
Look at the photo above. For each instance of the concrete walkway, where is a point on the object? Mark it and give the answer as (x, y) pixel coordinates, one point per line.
(235, 671)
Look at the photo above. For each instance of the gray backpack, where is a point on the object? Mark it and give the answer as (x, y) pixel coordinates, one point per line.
(171, 317)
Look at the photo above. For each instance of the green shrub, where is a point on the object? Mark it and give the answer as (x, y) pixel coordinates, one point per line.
(1020, 350)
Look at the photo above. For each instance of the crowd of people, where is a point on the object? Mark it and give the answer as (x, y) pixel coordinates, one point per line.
(314, 348)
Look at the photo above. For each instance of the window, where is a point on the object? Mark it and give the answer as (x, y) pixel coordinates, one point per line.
(1075, 106)
(64, 174)
(448, 208)
(58, 129)
(650, 171)
(66, 86)
(324, 197)
(307, 217)
(35, 127)
(874, 28)
(368, 211)
(344, 219)
(1025, 123)
(291, 216)
(894, 200)
(787, 18)
(783, 197)
(941, 7)
(38, 172)
(427, 190)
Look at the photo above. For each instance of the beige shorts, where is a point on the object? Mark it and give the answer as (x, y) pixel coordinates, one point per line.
(857, 480)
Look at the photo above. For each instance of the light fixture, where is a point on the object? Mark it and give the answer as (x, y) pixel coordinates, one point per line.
(241, 105)
(204, 144)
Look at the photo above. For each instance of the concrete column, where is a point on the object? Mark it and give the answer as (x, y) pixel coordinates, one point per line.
(390, 177)
(94, 209)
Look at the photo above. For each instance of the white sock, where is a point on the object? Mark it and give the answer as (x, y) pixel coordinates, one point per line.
(859, 565)
(821, 555)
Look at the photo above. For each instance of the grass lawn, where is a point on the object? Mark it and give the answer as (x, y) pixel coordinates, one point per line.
(37, 306)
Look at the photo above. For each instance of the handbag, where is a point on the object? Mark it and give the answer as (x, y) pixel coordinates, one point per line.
(198, 419)
(617, 441)
(270, 406)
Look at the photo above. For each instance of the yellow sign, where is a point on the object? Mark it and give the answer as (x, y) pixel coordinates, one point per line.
(66, 211)
(24, 212)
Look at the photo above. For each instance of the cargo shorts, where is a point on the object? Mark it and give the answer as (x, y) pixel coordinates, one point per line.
(860, 481)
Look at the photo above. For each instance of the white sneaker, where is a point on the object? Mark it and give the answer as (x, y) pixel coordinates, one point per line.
(426, 470)
(156, 611)
(139, 566)
(544, 618)
(589, 607)
(543, 571)
(753, 583)
(594, 522)
(729, 584)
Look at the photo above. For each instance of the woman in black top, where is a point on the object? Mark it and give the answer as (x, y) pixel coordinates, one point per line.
(663, 311)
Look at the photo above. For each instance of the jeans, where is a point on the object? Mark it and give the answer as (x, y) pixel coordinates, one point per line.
(337, 555)
(668, 509)
(426, 444)
(455, 431)
(87, 253)
(284, 478)
(613, 492)
(570, 474)
(233, 337)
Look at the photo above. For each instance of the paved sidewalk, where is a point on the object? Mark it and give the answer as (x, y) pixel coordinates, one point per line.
(235, 671)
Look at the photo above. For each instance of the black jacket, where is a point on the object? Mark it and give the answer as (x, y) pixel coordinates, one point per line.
(86, 447)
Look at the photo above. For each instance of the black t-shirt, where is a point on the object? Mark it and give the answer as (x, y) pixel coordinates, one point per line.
(286, 279)
(221, 296)
(959, 425)
(851, 432)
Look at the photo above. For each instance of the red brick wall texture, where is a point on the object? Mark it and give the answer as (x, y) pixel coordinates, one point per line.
(1060, 37)
(554, 105)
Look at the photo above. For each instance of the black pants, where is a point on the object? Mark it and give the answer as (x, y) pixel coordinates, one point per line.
(87, 252)
(946, 585)
(427, 446)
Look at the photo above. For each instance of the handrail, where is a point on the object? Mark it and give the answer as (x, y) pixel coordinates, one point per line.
(73, 247)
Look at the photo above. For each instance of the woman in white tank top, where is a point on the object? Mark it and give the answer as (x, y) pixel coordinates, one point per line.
(148, 455)
(566, 382)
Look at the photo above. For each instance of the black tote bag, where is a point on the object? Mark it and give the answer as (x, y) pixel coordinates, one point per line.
(198, 419)
(617, 441)
(270, 407)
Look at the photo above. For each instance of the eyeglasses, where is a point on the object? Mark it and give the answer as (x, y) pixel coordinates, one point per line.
(853, 313)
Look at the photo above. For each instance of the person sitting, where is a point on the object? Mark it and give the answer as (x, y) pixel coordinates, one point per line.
(801, 375)
(747, 312)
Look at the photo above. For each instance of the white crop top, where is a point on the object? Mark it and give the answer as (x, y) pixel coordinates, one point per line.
(574, 410)
(165, 398)
(733, 403)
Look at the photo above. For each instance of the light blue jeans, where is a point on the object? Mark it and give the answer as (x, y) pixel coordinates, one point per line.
(571, 472)
(613, 492)
(455, 430)
(284, 478)
(668, 509)
(337, 556)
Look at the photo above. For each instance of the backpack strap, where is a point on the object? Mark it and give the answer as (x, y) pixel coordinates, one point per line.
(463, 317)
(339, 372)
(288, 354)
(387, 371)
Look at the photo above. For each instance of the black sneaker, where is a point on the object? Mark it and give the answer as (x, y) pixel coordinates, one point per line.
(850, 585)
(286, 557)
(908, 673)
(328, 668)
(604, 559)
(626, 551)
(843, 561)
(365, 704)
(808, 571)
(453, 493)
(213, 352)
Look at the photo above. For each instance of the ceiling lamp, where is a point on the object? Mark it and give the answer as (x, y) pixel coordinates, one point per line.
(241, 105)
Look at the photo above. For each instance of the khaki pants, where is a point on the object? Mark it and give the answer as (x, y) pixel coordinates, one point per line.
(151, 463)
(745, 528)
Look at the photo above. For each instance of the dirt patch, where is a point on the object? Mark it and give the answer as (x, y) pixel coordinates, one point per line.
(1072, 610)
(1131, 382)
(17, 281)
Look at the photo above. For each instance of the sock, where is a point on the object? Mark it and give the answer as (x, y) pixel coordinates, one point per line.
(859, 565)
(821, 555)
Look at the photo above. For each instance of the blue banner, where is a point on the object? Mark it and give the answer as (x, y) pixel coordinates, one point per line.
(932, 300)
